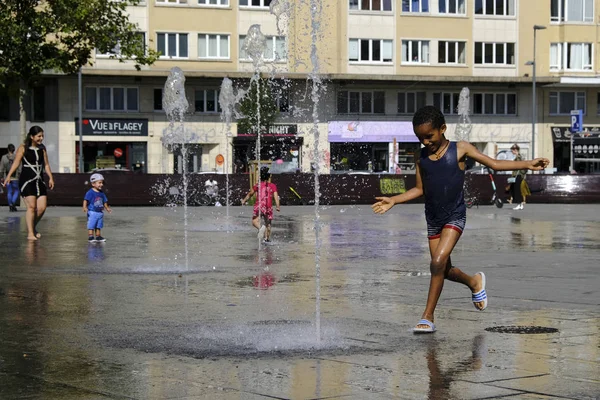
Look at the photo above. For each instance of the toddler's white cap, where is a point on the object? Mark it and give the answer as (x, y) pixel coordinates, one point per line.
(96, 177)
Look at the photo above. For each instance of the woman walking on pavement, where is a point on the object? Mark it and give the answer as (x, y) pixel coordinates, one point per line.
(33, 159)
(12, 185)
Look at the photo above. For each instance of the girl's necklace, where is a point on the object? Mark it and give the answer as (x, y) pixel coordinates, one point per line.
(437, 153)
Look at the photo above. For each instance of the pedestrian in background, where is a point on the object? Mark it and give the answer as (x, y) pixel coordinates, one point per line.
(34, 158)
(517, 181)
(12, 186)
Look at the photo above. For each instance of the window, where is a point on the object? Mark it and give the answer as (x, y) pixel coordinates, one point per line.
(207, 101)
(38, 103)
(565, 102)
(415, 51)
(111, 99)
(213, 2)
(371, 5)
(255, 3)
(370, 50)
(410, 102)
(172, 1)
(416, 6)
(572, 10)
(495, 53)
(158, 95)
(451, 52)
(282, 99)
(447, 102)
(275, 50)
(213, 46)
(281, 93)
(495, 7)
(4, 105)
(452, 6)
(172, 45)
(361, 102)
(495, 103)
(116, 51)
(571, 56)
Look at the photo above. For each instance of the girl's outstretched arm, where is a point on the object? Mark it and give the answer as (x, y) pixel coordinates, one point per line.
(385, 203)
(466, 149)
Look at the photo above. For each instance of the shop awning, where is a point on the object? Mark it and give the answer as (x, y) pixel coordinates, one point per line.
(371, 131)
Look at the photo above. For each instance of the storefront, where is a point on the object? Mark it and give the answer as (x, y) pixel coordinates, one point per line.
(586, 150)
(372, 146)
(280, 142)
(113, 144)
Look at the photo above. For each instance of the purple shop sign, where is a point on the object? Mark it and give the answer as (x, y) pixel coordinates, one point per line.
(371, 131)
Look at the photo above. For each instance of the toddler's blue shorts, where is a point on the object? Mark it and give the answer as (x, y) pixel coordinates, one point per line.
(95, 220)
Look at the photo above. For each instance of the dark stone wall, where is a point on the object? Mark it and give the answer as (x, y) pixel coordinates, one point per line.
(132, 189)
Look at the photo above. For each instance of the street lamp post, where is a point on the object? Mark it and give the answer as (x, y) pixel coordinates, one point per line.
(80, 122)
(534, 100)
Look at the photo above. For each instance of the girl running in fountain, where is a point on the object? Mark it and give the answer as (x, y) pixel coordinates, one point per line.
(264, 204)
(34, 158)
(440, 174)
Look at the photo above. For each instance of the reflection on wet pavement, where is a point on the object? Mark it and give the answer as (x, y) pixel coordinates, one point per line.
(127, 319)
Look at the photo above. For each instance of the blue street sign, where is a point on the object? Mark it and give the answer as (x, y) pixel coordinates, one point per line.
(576, 120)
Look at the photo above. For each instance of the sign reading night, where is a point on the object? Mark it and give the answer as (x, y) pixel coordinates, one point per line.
(113, 127)
(276, 130)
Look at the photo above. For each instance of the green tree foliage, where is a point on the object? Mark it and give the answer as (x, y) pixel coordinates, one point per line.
(258, 115)
(61, 35)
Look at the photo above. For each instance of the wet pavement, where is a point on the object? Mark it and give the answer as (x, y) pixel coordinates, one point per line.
(130, 319)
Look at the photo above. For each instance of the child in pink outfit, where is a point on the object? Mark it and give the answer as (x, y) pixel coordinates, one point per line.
(265, 191)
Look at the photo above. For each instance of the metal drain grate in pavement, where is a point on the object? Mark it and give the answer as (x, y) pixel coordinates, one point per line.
(524, 330)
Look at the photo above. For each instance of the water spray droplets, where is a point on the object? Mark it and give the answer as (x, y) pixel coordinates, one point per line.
(174, 101)
(255, 45)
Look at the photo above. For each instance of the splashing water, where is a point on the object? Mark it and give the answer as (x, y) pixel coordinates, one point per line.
(463, 132)
(175, 104)
(228, 99)
(315, 22)
(255, 45)
(464, 125)
(282, 10)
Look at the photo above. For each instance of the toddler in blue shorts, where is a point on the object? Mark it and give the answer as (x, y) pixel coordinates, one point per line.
(94, 204)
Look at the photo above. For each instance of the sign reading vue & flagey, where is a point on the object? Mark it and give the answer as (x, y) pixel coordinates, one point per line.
(113, 127)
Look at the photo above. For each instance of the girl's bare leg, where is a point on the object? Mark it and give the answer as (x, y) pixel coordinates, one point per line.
(441, 268)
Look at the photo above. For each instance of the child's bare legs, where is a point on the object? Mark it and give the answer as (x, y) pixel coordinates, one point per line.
(90, 232)
(268, 230)
(255, 222)
(441, 268)
(98, 232)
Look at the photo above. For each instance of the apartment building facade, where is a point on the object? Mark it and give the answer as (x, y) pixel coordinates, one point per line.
(380, 60)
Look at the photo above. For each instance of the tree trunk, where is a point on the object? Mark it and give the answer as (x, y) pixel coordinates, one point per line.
(22, 113)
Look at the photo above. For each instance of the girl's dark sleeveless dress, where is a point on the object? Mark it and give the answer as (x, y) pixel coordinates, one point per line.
(31, 181)
(443, 182)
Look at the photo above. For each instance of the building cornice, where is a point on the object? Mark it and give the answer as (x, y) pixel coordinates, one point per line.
(355, 78)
